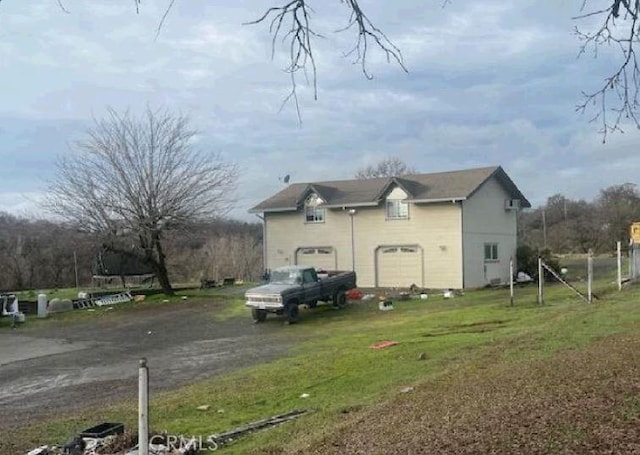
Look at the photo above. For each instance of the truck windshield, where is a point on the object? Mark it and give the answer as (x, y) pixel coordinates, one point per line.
(285, 277)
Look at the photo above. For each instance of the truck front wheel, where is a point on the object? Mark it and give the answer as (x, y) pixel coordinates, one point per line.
(340, 299)
(291, 312)
(258, 315)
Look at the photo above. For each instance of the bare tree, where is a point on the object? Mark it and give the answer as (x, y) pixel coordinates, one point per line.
(40, 254)
(133, 179)
(215, 250)
(618, 207)
(388, 167)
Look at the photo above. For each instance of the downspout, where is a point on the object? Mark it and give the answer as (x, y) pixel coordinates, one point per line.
(264, 241)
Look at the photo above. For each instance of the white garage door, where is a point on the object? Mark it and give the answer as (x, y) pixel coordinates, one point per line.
(322, 258)
(399, 266)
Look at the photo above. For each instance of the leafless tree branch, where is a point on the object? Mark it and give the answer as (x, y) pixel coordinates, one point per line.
(619, 28)
(62, 7)
(367, 32)
(298, 36)
(388, 167)
(164, 17)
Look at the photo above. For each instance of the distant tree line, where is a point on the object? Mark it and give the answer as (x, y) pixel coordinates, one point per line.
(566, 225)
(39, 254)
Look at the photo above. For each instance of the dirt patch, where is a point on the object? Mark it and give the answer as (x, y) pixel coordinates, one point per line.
(473, 327)
(578, 402)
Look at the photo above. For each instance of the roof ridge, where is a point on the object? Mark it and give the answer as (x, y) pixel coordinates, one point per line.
(425, 187)
(495, 167)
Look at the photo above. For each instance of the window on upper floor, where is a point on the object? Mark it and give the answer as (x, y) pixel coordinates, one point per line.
(490, 252)
(397, 209)
(312, 212)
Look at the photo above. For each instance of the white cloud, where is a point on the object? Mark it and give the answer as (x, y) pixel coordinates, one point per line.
(25, 204)
(489, 82)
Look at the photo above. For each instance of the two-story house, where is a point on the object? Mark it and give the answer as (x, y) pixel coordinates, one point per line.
(442, 230)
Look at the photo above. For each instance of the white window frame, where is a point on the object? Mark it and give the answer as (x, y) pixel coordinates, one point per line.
(393, 209)
(491, 252)
(312, 213)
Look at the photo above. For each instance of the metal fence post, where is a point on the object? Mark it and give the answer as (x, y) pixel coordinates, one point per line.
(143, 408)
(540, 282)
(619, 252)
(511, 279)
(590, 276)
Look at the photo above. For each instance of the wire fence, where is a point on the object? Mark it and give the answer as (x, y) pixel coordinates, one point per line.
(585, 278)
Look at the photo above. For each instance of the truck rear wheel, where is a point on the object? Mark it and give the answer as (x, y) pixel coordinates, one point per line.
(291, 312)
(340, 299)
(258, 315)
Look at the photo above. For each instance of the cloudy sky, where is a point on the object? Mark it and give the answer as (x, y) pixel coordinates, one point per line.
(489, 82)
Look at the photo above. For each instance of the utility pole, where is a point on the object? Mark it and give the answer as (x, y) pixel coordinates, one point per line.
(75, 267)
(544, 228)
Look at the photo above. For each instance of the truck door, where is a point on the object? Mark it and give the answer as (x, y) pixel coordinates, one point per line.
(311, 286)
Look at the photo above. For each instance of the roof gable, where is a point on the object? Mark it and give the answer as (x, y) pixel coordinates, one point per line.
(420, 188)
(396, 192)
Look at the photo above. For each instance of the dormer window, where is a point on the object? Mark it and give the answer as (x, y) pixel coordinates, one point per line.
(312, 212)
(396, 207)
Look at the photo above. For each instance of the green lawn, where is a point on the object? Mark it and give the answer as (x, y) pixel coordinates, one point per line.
(182, 294)
(333, 363)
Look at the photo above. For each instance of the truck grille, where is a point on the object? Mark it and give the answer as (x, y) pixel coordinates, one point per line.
(262, 299)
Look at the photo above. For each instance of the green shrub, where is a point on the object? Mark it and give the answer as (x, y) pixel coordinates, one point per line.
(527, 260)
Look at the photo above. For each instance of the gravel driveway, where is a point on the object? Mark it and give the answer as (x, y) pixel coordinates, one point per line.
(76, 365)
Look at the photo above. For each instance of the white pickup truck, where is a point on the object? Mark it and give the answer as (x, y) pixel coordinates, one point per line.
(291, 286)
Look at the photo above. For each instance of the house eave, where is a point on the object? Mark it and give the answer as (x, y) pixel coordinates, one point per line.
(436, 200)
(280, 209)
(344, 206)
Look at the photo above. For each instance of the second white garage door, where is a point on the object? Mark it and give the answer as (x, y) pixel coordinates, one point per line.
(399, 266)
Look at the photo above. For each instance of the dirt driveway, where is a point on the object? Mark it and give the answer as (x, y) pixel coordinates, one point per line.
(77, 365)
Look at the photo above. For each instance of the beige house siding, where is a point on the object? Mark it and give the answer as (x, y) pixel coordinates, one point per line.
(486, 221)
(436, 229)
(457, 232)
(287, 232)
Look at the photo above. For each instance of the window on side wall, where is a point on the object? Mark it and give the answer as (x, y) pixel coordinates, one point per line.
(490, 252)
(397, 209)
(313, 213)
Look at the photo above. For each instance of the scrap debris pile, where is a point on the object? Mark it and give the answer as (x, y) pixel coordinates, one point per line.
(121, 444)
(112, 439)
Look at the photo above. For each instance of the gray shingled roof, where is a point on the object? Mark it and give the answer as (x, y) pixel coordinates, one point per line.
(441, 186)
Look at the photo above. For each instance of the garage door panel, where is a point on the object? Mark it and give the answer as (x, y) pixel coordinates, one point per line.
(319, 257)
(399, 266)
